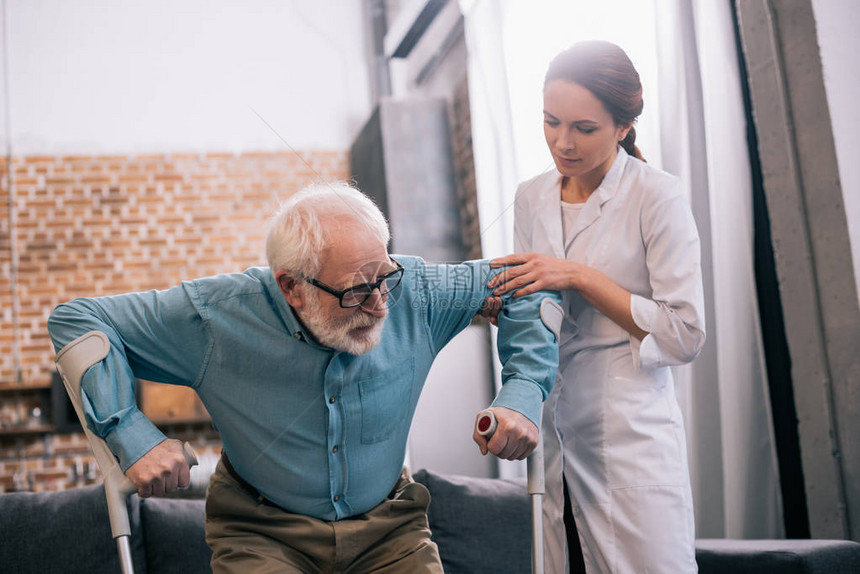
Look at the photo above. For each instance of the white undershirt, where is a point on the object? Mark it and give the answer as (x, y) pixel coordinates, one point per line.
(569, 213)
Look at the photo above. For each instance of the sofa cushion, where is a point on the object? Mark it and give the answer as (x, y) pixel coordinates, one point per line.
(479, 521)
(716, 556)
(485, 524)
(174, 533)
(64, 532)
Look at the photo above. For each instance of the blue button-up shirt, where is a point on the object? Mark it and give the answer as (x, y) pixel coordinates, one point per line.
(317, 431)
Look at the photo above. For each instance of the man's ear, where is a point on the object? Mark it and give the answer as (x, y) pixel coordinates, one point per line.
(291, 288)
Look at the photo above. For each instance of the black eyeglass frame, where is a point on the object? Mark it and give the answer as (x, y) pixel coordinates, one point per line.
(371, 287)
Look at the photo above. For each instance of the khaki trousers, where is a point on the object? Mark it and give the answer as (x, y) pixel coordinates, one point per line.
(248, 536)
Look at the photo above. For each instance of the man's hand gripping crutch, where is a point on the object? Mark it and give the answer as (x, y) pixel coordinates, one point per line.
(486, 426)
(72, 362)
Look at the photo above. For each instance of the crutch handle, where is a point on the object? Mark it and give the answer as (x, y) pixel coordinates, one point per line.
(190, 455)
(486, 424)
(118, 487)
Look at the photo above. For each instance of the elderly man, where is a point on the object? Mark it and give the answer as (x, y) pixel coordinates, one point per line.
(311, 371)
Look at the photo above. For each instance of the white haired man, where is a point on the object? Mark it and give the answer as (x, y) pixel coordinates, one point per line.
(311, 370)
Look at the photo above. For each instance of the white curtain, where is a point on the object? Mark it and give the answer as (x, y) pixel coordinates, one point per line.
(701, 126)
(724, 393)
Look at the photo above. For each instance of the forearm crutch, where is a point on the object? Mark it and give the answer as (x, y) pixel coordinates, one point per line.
(486, 426)
(72, 362)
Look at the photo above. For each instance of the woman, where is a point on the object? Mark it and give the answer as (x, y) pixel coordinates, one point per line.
(617, 238)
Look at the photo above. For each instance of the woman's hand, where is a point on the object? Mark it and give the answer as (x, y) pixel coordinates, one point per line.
(531, 272)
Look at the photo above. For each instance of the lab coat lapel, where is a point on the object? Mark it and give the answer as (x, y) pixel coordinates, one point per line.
(594, 206)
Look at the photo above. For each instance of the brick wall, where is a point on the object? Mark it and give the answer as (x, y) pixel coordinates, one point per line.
(43, 462)
(98, 225)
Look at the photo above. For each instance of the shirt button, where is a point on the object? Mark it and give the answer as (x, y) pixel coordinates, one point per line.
(331, 399)
(336, 497)
(334, 449)
(296, 335)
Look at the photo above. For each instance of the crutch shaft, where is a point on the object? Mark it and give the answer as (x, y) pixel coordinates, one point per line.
(537, 534)
(486, 425)
(124, 549)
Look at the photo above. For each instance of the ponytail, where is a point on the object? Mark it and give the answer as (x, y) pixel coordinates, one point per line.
(629, 144)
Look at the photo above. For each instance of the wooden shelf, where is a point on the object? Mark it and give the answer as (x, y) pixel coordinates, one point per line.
(170, 404)
(24, 430)
(7, 388)
(160, 422)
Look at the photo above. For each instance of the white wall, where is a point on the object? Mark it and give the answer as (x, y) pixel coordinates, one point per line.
(837, 22)
(108, 76)
(457, 388)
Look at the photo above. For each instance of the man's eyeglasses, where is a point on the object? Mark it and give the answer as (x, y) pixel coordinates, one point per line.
(358, 294)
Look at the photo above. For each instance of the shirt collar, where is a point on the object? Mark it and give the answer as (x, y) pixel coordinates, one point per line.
(612, 179)
(293, 325)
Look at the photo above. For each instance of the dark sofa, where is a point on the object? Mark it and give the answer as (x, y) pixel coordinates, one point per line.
(480, 525)
(467, 516)
(68, 532)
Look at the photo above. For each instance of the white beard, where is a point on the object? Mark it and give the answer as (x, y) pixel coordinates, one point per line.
(339, 334)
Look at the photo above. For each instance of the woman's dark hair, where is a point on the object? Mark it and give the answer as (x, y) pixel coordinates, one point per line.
(604, 70)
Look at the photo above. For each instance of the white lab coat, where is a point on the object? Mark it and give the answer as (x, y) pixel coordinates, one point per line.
(612, 424)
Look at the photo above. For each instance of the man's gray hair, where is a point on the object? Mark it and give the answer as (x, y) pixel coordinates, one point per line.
(298, 232)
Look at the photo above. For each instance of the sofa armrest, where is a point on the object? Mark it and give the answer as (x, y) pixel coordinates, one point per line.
(479, 521)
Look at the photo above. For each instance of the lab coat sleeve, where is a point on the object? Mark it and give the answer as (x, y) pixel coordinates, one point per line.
(674, 314)
(155, 335)
(527, 348)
